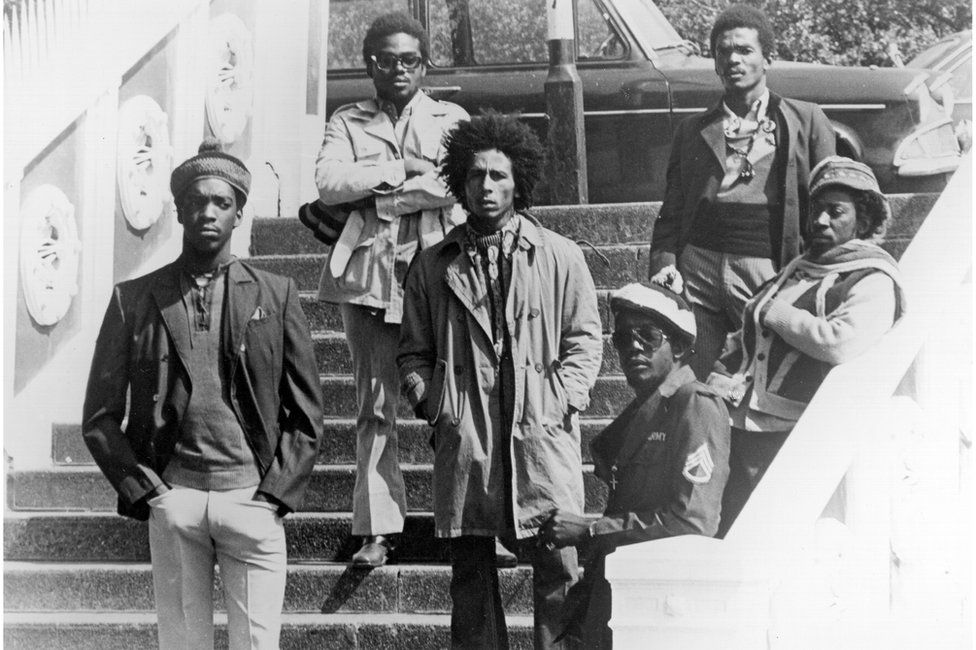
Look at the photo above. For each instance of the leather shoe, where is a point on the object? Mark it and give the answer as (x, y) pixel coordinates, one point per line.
(504, 558)
(374, 551)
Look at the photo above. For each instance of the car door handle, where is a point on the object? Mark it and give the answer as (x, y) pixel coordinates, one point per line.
(441, 92)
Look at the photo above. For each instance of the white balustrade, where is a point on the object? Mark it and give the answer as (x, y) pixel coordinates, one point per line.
(891, 429)
(60, 56)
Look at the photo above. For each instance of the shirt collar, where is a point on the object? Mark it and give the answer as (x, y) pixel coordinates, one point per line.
(757, 113)
(220, 270)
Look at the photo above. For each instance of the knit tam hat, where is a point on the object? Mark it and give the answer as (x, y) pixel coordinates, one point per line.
(210, 162)
(666, 307)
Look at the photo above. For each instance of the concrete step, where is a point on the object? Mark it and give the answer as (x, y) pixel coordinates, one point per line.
(619, 223)
(622, 223)
(83, 489)
(324, 317)
(611, 266)
(333, 357)
(325, 588)
(135, 631)
(105, 537)
(338, 441)
(607, 398)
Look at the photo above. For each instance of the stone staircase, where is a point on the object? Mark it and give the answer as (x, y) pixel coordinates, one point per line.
(77, 576)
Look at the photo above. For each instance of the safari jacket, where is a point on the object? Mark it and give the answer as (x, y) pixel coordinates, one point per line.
(138, 377)
(361, 163)
(448, 363)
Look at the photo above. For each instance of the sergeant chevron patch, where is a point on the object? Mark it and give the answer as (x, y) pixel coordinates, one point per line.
(699, 465)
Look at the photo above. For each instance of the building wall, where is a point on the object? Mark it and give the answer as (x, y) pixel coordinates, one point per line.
(62, 123)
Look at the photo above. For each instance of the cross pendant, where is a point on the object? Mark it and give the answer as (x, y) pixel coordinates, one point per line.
(613, 477)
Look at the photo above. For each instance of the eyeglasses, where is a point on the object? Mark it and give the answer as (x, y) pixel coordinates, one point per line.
(648, 338)
(387, 62)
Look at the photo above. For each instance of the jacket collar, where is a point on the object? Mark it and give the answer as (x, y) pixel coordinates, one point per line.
(677, 378)
(241, 300)
(376, 123)
(530, 235)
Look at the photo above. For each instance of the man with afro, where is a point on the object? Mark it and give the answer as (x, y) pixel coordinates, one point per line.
(500, 345)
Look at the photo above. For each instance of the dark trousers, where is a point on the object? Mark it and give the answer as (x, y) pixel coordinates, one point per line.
(750, 455)
(477, 615)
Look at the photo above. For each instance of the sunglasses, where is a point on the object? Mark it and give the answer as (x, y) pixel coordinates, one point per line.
(648, 338)
(387, 62)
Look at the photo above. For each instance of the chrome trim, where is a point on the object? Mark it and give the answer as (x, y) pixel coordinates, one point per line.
(853, 107)
(665, 111)
(636, 111)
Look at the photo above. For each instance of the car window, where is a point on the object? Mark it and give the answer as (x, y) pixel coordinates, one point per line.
(596, 38)
(348, 21)
(487, 32)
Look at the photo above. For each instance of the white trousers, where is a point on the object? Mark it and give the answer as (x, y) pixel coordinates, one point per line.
(190, 529)
(379, 502)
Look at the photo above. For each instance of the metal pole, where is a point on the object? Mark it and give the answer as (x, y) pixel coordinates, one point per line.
(564, 106)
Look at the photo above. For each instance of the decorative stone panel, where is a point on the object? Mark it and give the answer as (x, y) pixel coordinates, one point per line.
(230, 90)
(49, 252)
(145, 160)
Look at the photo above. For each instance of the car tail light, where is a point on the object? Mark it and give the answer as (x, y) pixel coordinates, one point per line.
(932, 148)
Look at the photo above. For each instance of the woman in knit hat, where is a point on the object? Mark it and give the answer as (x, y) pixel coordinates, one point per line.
(828, 305)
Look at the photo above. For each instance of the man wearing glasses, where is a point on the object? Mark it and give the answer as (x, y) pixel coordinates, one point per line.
(380, 201)
(665, 457)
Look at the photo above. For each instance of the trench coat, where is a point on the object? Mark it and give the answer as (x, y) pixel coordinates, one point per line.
(449, 366)
(139, 387)
(361, 158)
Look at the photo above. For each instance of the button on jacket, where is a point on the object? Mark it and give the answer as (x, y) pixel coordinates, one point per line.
(449, 363)
(362, 158)
(271, 370)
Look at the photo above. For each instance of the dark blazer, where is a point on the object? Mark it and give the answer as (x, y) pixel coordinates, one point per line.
(269, 364)
(804, 137)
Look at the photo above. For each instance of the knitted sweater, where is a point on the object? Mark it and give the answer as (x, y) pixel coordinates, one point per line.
(811, 317)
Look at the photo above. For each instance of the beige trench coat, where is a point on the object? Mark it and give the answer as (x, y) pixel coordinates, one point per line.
(448, 363)
(361, 158)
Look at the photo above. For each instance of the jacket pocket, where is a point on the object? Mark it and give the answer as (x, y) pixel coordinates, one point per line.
(367, 147)
(450, 400)
(358, 269)
(436, 392)
(558, 389)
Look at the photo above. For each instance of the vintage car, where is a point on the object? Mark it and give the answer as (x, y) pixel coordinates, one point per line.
(640, 78)
(952, 56)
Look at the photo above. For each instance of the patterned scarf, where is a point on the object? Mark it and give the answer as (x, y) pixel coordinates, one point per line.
(486, 252)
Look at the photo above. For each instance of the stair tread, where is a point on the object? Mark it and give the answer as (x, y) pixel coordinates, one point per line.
(89, 618)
